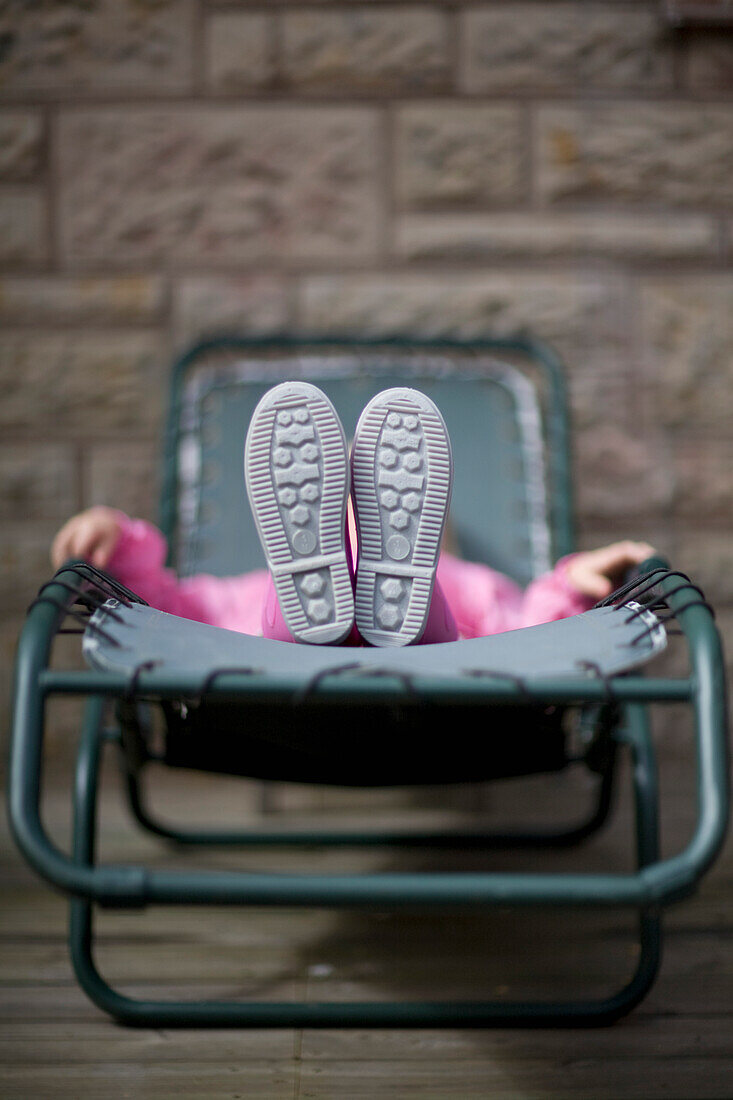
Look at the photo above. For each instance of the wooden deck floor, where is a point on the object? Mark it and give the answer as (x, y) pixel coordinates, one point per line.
(53, 1042)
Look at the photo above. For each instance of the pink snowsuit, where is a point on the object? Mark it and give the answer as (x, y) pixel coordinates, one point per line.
(482, 601)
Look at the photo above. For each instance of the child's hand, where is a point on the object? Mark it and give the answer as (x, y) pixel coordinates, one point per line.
(91, 535)
(597, 572)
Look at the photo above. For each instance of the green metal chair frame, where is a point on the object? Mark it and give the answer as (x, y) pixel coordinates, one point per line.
(618, 707)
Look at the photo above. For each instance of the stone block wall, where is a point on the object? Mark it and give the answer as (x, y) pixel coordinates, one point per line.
(170, 168)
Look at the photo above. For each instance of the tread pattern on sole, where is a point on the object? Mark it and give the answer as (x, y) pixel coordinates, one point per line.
(401, 478)
(296, 471)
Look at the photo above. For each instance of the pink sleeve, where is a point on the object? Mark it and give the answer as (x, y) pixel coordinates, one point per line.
(234, 603)
(485, 602)
(482, 601)
(553, 596)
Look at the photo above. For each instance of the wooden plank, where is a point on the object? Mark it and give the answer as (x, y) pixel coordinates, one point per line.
(177, 961)
(65, 1001)
(185, 1080)
(62, 1042)
(505, 1078)
(651, 1037)
(37, 1003)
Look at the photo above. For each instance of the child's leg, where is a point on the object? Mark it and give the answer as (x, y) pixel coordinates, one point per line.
(296, 470)
(402, 476)
(274, 625)
(441, 625)
(273, 620)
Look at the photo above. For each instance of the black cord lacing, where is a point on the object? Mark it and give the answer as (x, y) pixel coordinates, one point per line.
(662, 605)
(625, 589)
(211, 678)
(357, 669)
(691, 603)
(606, 680)
(492, 674)
(86, 620)
(132, 683)
(104, 581)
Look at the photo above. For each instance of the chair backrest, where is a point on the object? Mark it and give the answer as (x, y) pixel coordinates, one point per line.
(503, 402)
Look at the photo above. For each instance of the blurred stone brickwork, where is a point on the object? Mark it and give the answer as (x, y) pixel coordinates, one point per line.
(174, 167)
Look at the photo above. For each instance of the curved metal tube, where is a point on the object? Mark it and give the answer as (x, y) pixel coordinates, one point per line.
(659, 883)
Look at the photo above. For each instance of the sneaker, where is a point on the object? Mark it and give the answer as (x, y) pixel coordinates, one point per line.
(297, 475)
(401, 475)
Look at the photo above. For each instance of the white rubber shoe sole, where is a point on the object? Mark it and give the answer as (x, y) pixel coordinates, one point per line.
(297, 475)
(401, 476)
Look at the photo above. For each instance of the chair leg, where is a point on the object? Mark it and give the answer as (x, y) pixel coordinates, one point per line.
(150, 1013)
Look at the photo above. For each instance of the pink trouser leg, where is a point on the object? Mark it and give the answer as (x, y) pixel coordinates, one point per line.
(273, 622)
(441, 626)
